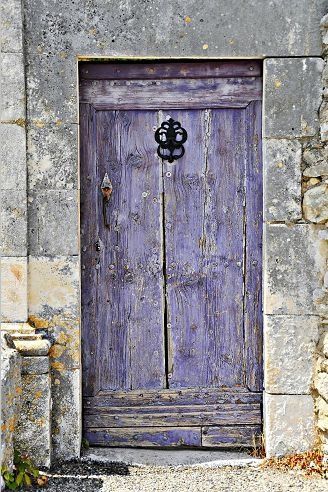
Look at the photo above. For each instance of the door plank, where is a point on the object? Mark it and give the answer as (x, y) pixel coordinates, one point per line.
(231, 436)
(173, 416)
(171, 93)
(253, 269)
(150, 437)
(204, 217)
(164, 70)
(190, 396)
(131, 341)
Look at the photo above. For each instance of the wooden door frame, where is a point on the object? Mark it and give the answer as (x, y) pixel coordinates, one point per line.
(154, 60)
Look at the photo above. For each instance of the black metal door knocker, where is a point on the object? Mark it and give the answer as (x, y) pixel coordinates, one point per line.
(170, 136)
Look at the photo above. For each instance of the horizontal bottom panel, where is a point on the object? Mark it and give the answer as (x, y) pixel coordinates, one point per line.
(209, 437)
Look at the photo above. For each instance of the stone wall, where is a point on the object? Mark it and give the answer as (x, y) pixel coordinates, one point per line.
(40, 182)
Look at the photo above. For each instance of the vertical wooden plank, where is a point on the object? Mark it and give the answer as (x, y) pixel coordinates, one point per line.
(223, 249)
(131, 346)
(253, 254)
(184, 194)
(204, 251)
(89, 257)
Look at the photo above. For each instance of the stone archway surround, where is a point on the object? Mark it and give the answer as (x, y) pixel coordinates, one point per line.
(40, 261)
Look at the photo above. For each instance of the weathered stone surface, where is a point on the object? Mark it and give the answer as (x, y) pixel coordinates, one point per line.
(323, 114)
(11, 26)
(12, 157)
(294, 266)
(35, 365)
(259, 30)
(34, 425)
(282, 178)
(13, 223)
(13, 289)
(37, 347)
(323, 344)
(321, 407)
(292, 96)
(10, 400)
(289, 346)
(53, 222)
(52, 156)
(54, 306)
(66, 413)
(315, 204)
(12, 87)
(317, 162)
(288, 424)
(324, 32)
(321, 384)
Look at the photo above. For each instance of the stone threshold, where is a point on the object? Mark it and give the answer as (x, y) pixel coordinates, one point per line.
(167, 457)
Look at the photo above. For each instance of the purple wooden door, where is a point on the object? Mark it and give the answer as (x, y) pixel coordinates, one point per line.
(171, 264)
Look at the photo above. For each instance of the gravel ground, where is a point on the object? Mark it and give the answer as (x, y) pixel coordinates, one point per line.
(93, 477)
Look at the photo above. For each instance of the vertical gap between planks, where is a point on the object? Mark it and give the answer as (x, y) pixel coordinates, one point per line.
(160, 117)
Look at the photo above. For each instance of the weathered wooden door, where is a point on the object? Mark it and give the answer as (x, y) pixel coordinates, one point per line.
(171, 263)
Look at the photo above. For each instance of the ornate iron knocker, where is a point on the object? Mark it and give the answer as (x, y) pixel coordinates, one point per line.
(170, 136)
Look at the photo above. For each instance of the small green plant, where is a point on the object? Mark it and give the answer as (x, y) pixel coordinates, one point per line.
(23, 474)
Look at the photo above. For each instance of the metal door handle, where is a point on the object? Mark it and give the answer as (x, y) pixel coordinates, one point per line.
(106, 190)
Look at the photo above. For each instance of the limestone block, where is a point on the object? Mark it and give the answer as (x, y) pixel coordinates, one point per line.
(52, 88)
(53, 222)
(292, 96)
(52, 156)
(12, 157)
(12, 83)
(54, 305)
(323, 115)
(13, 223)
(10, 400)
(294, 266)
(289, 347)
(11, 26)
(35, 365)
(315, 204)
(321, 384)
(288, 424)
(13, 289)
(282, 178)
(66, 413)
(323, 344)
(317, 162)
(324, 33)
(33, 435)
(321, 407)
(261, 29)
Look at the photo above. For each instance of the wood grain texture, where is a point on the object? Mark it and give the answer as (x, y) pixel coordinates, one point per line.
(204, 217)
(231, 436)
(165, 70)
(253, 317)
(151, 437)
(171, 93)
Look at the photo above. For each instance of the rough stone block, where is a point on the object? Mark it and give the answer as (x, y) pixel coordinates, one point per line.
(294, 266)
(292, 96)
(289, 347)
(12, 87)
(11, 26)
(321, 407)
(315, 204)
(35, 365)
(288, 424)
(321, 384)
(52, 157)
(261, 29)
(323, 114)
(66, 413)
(13, 289)
(54, 305)
(53, 222)
(10, 400)
(282, 178)
(13, 223)
(52, 89)
(33, 435)
(12, 157)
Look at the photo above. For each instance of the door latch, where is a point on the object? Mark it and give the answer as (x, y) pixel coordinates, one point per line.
(106, 190)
